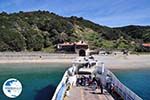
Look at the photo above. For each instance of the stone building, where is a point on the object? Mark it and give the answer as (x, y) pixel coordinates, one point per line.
(80, 48)
(146, 47)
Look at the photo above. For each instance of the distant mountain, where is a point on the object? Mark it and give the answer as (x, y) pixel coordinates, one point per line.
(42, 30)
(137, 32)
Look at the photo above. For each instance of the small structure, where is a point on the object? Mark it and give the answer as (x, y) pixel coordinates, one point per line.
(80, 48)
(146, 47)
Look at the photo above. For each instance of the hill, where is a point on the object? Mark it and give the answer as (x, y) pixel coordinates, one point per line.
(42, 30)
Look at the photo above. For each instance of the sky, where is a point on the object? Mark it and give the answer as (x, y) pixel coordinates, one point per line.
(113, 13)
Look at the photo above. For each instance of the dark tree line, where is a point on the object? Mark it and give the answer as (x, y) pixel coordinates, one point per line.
(40, 30)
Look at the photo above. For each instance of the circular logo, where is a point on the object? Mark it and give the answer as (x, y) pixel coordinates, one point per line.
(12, 88)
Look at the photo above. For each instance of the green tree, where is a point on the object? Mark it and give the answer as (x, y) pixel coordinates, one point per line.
(13, 39)
(122, 44)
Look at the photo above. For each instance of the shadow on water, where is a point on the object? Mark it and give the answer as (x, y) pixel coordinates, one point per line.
(45, 93)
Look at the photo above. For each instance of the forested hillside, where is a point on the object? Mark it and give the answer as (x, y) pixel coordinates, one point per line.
(42, 30)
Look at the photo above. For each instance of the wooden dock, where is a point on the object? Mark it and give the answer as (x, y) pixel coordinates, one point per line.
(86, 93)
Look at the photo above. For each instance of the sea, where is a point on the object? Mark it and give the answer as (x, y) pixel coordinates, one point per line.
(138, 80)
(39, 81)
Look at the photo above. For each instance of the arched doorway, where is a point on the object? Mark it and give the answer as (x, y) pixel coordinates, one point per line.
(82, 52)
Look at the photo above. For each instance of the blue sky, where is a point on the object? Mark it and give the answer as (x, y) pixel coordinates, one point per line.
(111, 13)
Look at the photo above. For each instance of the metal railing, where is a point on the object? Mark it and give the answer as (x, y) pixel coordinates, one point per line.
(59, 87)
(121, 89)
(62, 87)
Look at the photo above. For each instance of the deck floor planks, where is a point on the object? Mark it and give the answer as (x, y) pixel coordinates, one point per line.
(86, 93)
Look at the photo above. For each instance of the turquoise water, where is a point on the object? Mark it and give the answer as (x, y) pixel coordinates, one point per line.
(39, 80)
(137, 80)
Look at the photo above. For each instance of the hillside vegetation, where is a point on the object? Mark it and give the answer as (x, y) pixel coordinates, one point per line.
(42, 30)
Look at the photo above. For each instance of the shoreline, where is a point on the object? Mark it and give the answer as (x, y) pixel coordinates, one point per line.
(114, 62)
(63, 61)
(121, 62)
(35, 57)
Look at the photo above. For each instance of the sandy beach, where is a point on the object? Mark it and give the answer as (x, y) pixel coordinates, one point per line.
(35, 57)
(37, 61)
(125, 62)
(111, 61)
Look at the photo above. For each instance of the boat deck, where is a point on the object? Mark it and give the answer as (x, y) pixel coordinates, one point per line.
(86, 93)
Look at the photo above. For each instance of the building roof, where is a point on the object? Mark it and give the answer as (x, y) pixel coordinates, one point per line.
(81, 43)
(146, 44)
(74, 43)
(66, 43)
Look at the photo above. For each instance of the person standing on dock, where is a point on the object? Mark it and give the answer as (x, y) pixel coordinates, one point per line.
(100, 85)
(94, 84)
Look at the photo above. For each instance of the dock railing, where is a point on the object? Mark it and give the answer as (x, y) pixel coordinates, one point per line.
(61, 88)
(63, 85)
(121, 89)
